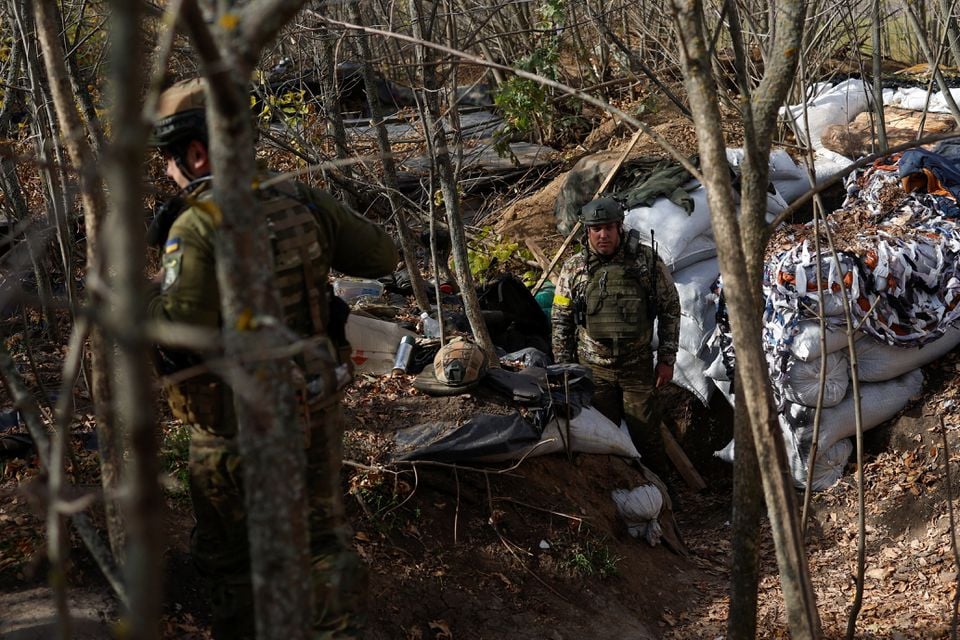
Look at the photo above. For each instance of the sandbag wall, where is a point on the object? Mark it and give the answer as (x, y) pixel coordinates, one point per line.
(686, 244)
(898, 267)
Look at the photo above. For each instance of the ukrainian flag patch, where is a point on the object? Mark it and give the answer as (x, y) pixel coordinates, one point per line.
(172, 245)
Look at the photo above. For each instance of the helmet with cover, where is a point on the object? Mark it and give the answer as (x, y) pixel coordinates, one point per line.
(601, 211)
(459, 363)
(181, 115)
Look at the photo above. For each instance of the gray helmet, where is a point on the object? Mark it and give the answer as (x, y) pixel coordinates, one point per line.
(601, 211)
(181, 115)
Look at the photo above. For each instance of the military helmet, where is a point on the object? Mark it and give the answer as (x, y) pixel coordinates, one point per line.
(601, 211)
(181, 114)
(459, 363)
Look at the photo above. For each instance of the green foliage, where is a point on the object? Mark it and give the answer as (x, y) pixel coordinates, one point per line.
(381, 498)
(589, 556)
(292, 107)
(489, 253)
(527, 105)
(175, 456)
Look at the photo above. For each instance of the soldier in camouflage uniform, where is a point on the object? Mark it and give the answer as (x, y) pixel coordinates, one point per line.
(604, 308)
(310, 233)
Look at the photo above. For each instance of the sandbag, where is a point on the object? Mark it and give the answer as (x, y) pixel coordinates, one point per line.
(828, 106)
(673, 227)
(689, 372)
(878, 361)
(802, 382)
(826, 471)
(915, 98)
(830, 464)
(880, 401)
(806, 343)
(698, 308)
(590, 432)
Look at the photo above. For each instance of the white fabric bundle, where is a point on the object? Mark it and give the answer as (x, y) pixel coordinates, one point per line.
(640, 508)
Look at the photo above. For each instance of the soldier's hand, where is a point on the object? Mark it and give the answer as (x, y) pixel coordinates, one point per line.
(664, 374)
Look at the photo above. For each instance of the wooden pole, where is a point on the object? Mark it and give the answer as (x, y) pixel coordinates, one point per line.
(576, 228)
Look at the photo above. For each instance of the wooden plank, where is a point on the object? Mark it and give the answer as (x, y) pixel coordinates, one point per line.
(537, 252)
(576, 228)
(681, 461)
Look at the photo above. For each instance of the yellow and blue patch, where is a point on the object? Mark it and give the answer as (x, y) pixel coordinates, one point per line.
(173, 244)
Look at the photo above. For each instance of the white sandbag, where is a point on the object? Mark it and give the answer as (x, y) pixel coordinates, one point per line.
(717, 369)
(701, 248)
(830, 465)
(915, 98)
(673, 227)
(827, 163)
(836, 105)
(698, 306)
(826, 471)
(878, 361)
(689, 372)
(787, 178)
(590, 432)
(639, 508)
(802, 383)
(806, 343)
(880, 401)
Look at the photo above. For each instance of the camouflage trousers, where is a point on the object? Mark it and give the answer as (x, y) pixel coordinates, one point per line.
(629, 394)
(221, 548)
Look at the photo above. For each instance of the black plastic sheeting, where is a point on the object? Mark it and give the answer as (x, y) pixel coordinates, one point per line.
(541, 390)
(482, 436)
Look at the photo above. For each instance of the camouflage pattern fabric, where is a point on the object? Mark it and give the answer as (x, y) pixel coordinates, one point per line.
(572, 343)
(190, 294)
(622, 368)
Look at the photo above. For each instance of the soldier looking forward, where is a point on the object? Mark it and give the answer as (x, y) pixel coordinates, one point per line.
(604, 308)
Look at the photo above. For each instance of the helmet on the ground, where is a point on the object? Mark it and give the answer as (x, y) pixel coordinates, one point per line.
(181, 115)
(459, 363)
(601, 211)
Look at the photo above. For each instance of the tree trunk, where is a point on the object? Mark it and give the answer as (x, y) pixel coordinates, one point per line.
(389, 166)
(94, 212)
(747, 511)
(270, 436)
(739, 247)
(133, 397)
(437, 138)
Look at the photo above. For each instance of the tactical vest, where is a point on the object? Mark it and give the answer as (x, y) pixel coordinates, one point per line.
(300, 278)
(616, 300)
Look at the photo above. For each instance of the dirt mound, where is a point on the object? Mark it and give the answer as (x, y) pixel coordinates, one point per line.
(533, 216)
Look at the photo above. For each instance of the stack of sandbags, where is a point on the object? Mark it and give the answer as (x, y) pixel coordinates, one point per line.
(899, 268)
(685, 244)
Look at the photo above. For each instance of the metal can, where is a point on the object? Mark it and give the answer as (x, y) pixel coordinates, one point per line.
(402, 359)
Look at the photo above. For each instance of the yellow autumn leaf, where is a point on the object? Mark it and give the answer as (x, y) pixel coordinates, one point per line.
(229, 21)
(245, 320)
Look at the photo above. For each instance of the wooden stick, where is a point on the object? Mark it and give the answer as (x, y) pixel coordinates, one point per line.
(576, 228)
(681, 461)
(537, 252)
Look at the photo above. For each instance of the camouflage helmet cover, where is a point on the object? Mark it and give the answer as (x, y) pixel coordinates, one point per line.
(601, 211)
(459, 363)
(181, 114)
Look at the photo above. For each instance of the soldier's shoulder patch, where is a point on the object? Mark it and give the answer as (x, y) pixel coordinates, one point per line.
(171, 263)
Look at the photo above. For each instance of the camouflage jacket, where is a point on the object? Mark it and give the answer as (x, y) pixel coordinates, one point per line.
(572, 343)
(189, 291)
